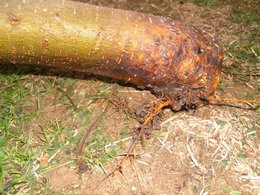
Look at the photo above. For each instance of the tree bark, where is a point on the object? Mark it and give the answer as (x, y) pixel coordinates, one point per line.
(149, 51)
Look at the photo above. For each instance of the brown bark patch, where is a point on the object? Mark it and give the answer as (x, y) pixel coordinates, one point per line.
(13, 19)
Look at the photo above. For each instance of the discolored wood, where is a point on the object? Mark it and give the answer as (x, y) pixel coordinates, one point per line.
(152, 52)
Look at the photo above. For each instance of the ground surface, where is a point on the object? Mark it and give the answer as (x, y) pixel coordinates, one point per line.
(212, 150)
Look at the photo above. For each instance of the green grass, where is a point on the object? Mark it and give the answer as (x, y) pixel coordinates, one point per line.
(13, 98)
(97, 153)
(239, 16)
(245, 52)
(21, 159)
(22, 142)
(18, 158)
(205, 2)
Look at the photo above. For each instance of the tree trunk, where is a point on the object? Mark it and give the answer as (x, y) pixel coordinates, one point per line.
(153, 52)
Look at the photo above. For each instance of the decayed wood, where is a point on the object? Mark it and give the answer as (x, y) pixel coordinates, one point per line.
(153, 52)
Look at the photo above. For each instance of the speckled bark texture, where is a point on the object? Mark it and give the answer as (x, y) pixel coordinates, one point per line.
(153, 52)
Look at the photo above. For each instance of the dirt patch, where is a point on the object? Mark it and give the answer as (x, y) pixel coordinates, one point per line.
(194, 153)
(58, 181)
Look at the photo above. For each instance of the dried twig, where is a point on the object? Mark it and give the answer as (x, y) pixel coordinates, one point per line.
(80, 161)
